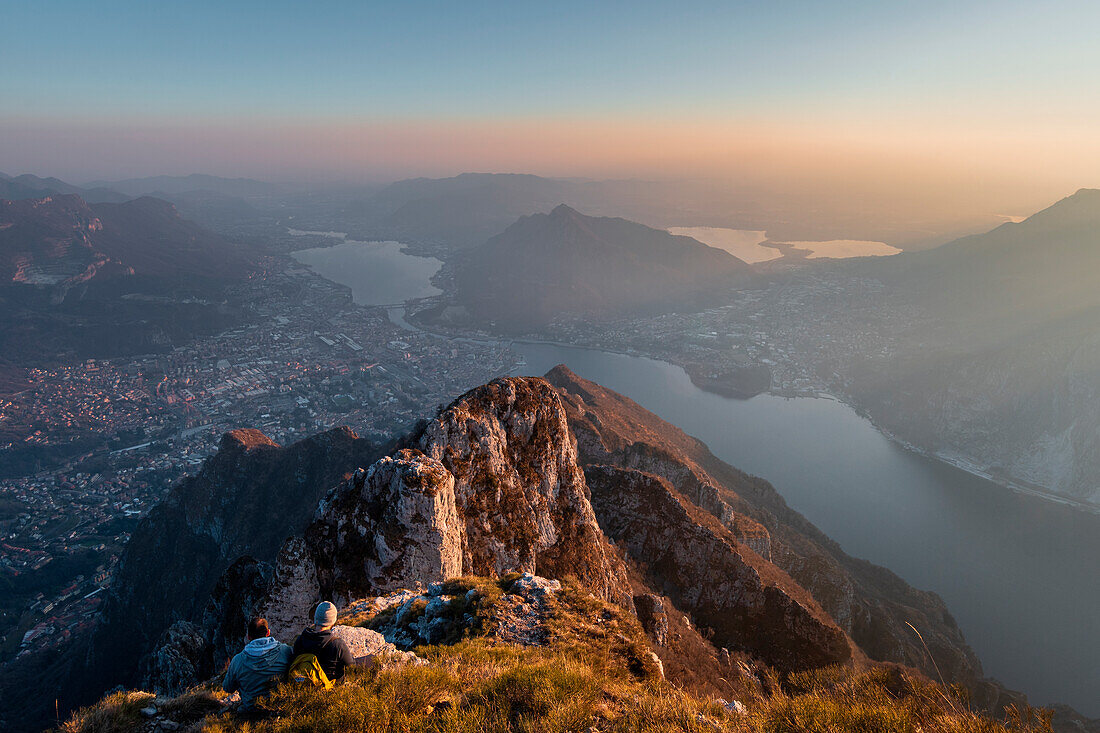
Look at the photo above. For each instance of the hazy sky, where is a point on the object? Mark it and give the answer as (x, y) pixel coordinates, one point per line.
(856, 93)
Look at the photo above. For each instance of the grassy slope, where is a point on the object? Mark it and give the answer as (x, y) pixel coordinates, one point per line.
(592, 673)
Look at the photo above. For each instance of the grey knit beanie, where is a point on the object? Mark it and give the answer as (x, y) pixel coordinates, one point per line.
(325, 615)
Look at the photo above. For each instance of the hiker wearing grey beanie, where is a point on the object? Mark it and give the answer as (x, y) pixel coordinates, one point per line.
(332, 652)
(325, 616)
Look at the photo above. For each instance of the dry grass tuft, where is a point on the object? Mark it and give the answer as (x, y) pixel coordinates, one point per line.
(117, 713)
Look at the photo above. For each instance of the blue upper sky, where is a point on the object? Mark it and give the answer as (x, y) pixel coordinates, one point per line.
(491, 59)
(272, 88)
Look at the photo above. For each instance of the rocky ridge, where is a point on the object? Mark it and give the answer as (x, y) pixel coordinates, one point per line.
(518, 479)
(871, 604)
(192, 558)
(493, 486)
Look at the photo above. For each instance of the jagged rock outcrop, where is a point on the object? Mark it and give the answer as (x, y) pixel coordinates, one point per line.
(292, 592)
(395, 522)
(749, 603)
(181, 659)
(492, 486)
(519, 489)
(653, 617)
(245, 501)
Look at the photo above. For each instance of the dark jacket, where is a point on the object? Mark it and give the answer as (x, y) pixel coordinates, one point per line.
(256, 669)
(331, 651)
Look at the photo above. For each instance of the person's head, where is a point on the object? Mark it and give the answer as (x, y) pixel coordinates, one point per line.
(257, 629)
(325, 616)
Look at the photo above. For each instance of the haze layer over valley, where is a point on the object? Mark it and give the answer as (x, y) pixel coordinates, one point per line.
(717, 368)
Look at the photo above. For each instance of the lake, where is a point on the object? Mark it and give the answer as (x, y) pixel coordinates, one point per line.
(1018, 573)
(378, 273)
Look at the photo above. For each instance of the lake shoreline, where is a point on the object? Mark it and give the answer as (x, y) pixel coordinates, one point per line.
(705, 385)
(941, 526)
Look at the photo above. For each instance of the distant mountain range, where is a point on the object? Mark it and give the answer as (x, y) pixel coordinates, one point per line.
(564, 262)
(171, 185)
(107, 278)
(465, 210)
(28, 186)
(223, 203)
(1002, 368)
(61, 240)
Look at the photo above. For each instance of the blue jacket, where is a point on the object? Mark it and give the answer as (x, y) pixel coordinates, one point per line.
(254, 671)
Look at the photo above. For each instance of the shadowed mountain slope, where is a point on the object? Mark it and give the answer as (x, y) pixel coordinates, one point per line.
(999, 359)
(564, 262)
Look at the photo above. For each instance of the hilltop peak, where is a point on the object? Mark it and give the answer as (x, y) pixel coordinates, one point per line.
(564, 262)
(245, 439)
(564, 210)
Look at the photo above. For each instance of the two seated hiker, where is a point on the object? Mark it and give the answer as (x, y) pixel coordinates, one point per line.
(318, 656)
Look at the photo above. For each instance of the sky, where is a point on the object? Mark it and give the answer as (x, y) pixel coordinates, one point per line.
(956, 95)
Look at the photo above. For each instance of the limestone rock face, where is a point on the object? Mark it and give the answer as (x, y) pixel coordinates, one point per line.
(292, 592)
(181, 660)
(246, 500)
(389, 525)
(750, 604)
(653, 617)
(492, 486)
(520, 493)
(233, 603)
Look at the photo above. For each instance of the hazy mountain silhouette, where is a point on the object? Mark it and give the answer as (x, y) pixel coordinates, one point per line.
(1003, 367)
(29, 186)
(241, 187)
(108, 279)
(565, 262)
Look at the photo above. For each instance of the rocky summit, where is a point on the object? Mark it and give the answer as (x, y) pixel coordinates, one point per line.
(546, 514)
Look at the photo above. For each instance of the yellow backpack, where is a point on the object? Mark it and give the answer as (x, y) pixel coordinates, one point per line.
(307, 668)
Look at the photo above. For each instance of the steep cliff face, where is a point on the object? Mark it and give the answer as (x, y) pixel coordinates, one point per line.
(245, 501)
(519, 488)
(688, 555)
(395, 522)
(492, 486)
(291, 592)
(868, 602)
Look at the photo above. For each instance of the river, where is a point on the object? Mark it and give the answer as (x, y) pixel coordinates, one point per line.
(1018, 573)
